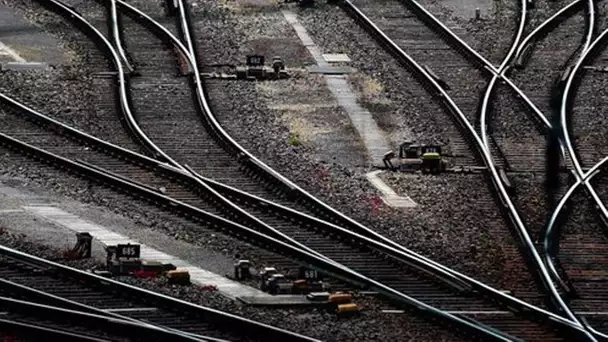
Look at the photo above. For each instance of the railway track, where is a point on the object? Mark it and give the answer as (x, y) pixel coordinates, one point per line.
(514, 126)
(575, 239)
(422, 43)
(545, 51)
(241, 195)
(522, 229)
(25, 320)
(150, 194)
(433, 41)
(31, 278)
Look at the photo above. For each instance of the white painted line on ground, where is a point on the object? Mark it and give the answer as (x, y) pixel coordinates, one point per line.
(8, 51)
(107, 237)
(389, 196)
(363, 121)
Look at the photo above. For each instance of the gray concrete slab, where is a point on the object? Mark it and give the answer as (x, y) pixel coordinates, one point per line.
(52, 220)
(107, 237)
(373, 137)
(330, 70)
(22, 41)
(21, 66)
(389, 196)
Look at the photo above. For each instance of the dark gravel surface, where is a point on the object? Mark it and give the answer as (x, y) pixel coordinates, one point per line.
(591, 97)
(371, 325)
(348, 190)
(583, 252)
(70, 94)
(401, 106)
(485, 247)
(491, 35)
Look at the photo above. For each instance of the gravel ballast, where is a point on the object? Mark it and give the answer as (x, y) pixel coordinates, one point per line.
(370, 325)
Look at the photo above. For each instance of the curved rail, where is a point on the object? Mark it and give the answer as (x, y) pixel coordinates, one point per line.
(502, 69)
(492, 69)
(524, 50)
(408, 253)
(484, 153)
(243, 233)
(566, 98)
(583, 178)
(548, 238)
(183, 170)
(244, 214)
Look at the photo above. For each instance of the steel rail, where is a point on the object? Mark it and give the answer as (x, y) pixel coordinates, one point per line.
(28, 329)
(482, 150)
(244, 233)
(202, 100)
(545, 275)
(426, 261)
(50, 299)
(104, 321)
(462, 285)
(509, 298)
(408, 300)
(160, 299)
(585, 177)
(562, 306)
(524, 50)
(489, 67)
(117, 37)
(548, 236)
(367, 281)
(502, 69)
(408, 254)
(566, 98)
(294, 189)
(241, 212)
(369, 242)
(448, 277)
(155, 164)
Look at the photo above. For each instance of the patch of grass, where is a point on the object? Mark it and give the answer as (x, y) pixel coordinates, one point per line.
(370, 91)
(294, 140)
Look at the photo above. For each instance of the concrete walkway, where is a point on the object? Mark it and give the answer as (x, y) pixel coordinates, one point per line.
(363, 121)
(107, 237)
(389, 196)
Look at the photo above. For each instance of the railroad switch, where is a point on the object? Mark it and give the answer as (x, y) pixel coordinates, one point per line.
(241, 270)
(83, 247)
(256, 70)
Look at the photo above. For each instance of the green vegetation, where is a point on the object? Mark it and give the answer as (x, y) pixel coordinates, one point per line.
(294, 140)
